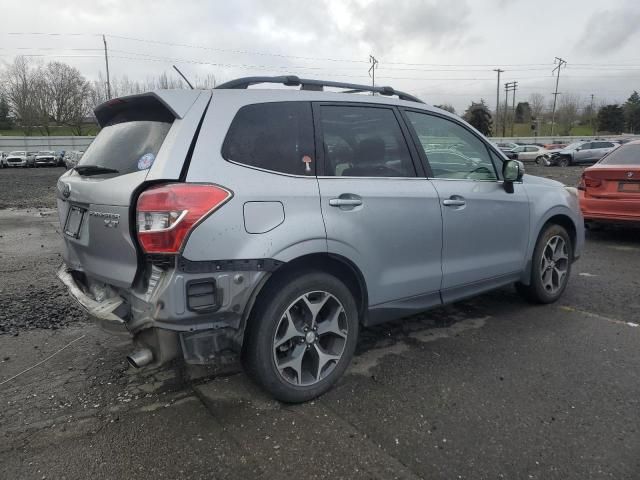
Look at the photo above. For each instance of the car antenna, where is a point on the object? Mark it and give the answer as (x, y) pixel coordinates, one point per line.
(184, 78)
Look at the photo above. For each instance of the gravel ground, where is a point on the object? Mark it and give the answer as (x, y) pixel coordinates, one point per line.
(29, 187)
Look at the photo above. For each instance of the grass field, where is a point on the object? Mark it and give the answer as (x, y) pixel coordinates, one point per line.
(524, 130)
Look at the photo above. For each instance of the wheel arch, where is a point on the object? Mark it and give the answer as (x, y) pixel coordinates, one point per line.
(337, 265)
(552, 218)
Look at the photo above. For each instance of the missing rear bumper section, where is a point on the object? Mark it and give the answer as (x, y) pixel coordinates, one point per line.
(197, 311)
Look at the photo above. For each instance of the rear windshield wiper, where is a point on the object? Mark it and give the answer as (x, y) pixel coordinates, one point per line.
(87, 170)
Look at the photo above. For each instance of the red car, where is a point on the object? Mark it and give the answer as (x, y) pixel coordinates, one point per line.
(610, 189)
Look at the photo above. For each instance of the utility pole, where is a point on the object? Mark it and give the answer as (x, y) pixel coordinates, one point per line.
(561, 62)
(498, 97)
(508, 87)
(372, 71)
(513, 106)
(106, 62)
(593, 127)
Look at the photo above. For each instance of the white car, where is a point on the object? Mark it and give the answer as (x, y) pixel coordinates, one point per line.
(46, 158)
(20, 158)
(532, 153)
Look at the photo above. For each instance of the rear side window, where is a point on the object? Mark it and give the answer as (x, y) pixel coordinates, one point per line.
(364, 142)
(625, 155)
(274, 136)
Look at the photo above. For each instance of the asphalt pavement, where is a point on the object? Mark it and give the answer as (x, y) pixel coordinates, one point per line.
(487, 388)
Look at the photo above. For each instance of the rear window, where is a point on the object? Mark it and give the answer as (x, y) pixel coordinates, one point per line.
(127, 146)
(275, 136)
(625, 155)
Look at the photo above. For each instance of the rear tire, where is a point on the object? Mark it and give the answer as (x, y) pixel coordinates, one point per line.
(550, 266)
(301, 336)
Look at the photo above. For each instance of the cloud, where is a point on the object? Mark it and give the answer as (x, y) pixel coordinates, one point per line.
(394, 25)
(607, 30)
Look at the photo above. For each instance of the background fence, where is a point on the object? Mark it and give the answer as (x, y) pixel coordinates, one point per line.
(34, 144)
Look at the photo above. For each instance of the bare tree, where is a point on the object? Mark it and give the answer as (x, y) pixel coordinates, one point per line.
(19, 84)
(206, 83)
(536, 103)
(567, 112)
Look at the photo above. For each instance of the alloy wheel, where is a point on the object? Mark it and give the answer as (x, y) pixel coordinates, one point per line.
(310, 338)
(554, 264)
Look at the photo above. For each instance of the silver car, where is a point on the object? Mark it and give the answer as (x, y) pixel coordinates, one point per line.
(532, 153)
(275, 223)
(582, 152)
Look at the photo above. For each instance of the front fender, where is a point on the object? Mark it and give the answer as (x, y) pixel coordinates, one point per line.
(553, 204)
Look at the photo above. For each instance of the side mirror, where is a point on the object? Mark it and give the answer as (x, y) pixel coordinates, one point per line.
(512, 171)
(578, 149)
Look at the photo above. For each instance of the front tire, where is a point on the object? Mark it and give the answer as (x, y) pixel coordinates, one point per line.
(564, 162)
(550, 266)
(301, 336)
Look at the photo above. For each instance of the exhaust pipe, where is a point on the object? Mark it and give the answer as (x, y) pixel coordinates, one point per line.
(140, 358)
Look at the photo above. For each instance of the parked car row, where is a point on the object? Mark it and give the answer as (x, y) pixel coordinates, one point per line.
(45, 158)
(558, 154)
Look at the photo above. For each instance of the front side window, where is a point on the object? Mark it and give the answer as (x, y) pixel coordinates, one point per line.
(452, 151)
(363, 142)
(274, 136)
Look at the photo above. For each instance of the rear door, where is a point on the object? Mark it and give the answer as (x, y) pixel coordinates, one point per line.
(95, 199)
(485, 229)
(379, 210)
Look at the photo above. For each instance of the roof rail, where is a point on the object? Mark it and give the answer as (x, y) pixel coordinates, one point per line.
(309, 84)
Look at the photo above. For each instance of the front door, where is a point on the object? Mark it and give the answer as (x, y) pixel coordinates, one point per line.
(378, 212)
(485, 229)
(585, 154)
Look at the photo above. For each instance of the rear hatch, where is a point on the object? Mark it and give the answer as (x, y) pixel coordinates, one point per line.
(616, 176)
(143, 136)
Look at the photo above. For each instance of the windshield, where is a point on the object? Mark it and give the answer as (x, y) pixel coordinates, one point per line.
(126, 147)
(18, 153)
(45, 153)
(625, 155)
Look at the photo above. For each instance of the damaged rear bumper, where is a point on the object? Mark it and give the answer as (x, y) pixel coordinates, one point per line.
(101, 312)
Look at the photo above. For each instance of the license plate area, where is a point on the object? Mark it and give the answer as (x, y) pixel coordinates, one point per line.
(629, 187)
(74, 221)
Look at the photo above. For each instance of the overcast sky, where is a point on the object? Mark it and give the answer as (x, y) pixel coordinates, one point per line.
(440, 50)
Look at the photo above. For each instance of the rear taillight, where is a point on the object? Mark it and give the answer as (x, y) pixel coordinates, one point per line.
(166, 214)
(588, 182)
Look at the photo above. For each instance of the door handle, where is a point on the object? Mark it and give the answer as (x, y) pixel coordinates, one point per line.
(345, 202)
(454, 202)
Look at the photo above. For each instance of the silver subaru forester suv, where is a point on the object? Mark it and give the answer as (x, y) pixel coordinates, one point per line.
(274, 223)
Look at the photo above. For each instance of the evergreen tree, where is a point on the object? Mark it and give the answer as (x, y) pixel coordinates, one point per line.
(632, 112)
(611, 119)
(479, 116)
